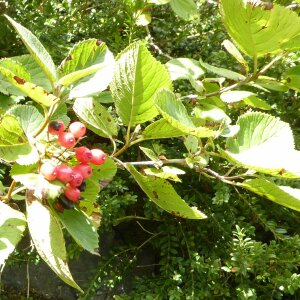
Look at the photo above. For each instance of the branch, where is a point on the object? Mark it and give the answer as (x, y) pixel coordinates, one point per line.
(253, 77)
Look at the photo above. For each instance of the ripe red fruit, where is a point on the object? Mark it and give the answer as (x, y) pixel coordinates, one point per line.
(72, 193)
(67, 139)
(98, 157)
(64, 173)
(83, 154)
(85, 170)
(56, 127)
(77, 179)
(48, 170)
(78, 129)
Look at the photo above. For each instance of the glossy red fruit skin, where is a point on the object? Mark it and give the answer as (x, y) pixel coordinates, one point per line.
(78, 129)
(48, 170)
(98, 157)
(85, 170)
(56, 127)
(72, 193)
(77, 179)
(67, 140)
(64, 173)
(83, 154)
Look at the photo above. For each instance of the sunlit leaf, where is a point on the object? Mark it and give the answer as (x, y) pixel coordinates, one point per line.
(12, 226)
(36, 49)
(47, 236)
(137, 77)
(257, 29)
(163, 194)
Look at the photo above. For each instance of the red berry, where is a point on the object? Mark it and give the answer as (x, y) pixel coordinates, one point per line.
(56, 127)
(85, 170)
(77, 179)
(78, 129)
(72, 193)
(67, 139)
(83, 154)
(64, 173)
(48, 170)
(98, 157)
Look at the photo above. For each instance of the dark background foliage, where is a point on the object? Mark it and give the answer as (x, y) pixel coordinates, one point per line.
(248, 248)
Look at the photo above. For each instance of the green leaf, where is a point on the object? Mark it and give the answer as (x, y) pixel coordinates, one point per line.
(185, 9)
(61, 114)
(159, 2)
(12, 226)
(28, 116)
(247, 97)
(95, 116)
(80, 228)
(283, 195)
(142, 19)
(136, 78)
(259, 30)
(13, 142)
(151, 154)
(184, 68)
(265, 144)
(41, 188)
(211, 113)
(166, 172)
(6, 87)
(36, 93)
(48, 239)
(176, 114)
(231, 48)
(17, 169)
(36, 72)
(223, 72)
(161, 129)
(102, 173)
(163, 194)
(292, 78)
(104, 97)
(86, 58)
(36, 49)
(105, 171)
(271, 84)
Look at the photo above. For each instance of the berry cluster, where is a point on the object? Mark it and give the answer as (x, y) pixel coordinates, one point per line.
(73, 177)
